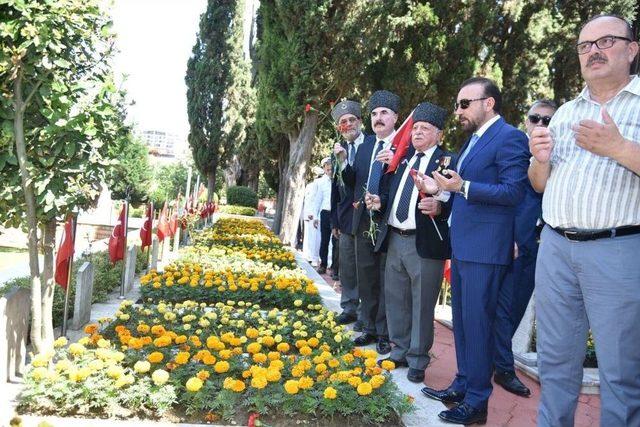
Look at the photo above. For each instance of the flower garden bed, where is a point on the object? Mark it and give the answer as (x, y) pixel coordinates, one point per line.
(207, 344)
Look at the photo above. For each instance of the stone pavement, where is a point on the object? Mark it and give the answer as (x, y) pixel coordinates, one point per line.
(505, 409)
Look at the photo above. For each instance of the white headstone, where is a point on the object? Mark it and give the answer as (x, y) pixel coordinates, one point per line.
(521, 342)
(154, 254)
(130, 269)
(84, 293)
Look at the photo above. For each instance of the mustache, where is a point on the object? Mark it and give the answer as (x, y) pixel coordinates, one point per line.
(378, 123)
(596, 57)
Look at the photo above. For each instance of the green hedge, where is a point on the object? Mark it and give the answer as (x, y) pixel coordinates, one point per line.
(237, 210)
(242, 196)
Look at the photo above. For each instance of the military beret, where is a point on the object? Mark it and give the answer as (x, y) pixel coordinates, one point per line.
(384, 98)
(430, 113)
(346, 107)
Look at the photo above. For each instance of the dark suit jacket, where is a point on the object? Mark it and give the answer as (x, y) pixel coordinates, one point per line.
(428, 243)
(356, 176)
(482, 225)
(342, 204)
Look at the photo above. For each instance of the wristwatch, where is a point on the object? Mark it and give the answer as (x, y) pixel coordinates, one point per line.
(463, 189)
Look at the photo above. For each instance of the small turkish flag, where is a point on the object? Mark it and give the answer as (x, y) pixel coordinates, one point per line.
(173, 223)
(401, 142)
(447, 270)
(163, 224)
(146, 231)
(65, 254)
(117, 239)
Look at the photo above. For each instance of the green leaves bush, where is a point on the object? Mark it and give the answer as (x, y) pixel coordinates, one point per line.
(242, 196)
(238, 210)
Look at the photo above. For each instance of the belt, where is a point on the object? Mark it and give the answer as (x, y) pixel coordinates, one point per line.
(583, 236)
(402, 232)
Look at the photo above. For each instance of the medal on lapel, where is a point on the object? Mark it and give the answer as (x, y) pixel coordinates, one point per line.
(443, 165)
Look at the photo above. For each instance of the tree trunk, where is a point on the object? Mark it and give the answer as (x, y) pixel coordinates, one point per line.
(283, 165)
(301, 146)
(49, 243)
(32, 221)
(211, 184)
(233, 172)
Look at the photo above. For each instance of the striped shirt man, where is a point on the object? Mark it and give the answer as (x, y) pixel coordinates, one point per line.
(586, 191)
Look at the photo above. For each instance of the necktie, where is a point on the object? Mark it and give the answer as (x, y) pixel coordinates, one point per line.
(474, 139)
(376, 172)
(352, 152)
(402, 211)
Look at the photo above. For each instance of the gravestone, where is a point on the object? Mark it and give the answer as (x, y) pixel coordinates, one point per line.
(130, 269)
(14, 329)
(84, 294)
(154, 254)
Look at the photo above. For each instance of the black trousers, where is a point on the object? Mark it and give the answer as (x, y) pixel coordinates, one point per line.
(335, 255)
(325, 235)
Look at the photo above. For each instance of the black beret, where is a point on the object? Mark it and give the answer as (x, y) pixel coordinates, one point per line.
(430, 113)
(384, 98)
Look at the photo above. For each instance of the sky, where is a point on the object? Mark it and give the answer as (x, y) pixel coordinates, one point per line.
(155, 38)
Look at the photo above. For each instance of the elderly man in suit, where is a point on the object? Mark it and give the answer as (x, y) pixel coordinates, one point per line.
(488, 183)
(347, 115)
(415, 235)
(365, 175)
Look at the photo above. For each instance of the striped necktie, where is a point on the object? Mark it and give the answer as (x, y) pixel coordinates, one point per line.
(402, 211)
(474, 139)
(376, 172)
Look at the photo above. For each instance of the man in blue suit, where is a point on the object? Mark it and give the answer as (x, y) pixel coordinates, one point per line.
(519, 284)
(488, 182)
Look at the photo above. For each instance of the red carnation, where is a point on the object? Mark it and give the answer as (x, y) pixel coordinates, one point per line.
(307, 108)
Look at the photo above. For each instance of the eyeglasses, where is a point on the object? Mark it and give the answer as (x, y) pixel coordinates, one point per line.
(535, 118)
(348, 121)
(603, 43)
(464, 103)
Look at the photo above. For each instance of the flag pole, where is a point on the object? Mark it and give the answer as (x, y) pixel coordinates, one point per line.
(63, 333)
(124, 252)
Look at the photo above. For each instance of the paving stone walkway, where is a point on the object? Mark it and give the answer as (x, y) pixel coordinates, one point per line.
(505, 409)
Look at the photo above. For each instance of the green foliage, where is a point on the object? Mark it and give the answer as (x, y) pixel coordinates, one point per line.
(237, 210)
(265, 191)
(132, 175)
(242, 196)
(18, 282)
(168, 182)
(73, 113)
(218, 88)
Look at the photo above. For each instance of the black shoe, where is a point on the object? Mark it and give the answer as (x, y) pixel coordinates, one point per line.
(445, 396)
(365, 339)
(346, 318)
(399, 363)
(321, 270)
(510, 382)
(357, 327)
(464, 414)
(415, 375)
(383, 346)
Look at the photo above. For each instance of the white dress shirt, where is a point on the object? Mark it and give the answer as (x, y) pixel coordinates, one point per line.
(323, 194)
(410, 222)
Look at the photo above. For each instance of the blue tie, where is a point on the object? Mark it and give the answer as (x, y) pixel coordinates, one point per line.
(352, 152)
(402, 211)
(376, 172)
(474, 139)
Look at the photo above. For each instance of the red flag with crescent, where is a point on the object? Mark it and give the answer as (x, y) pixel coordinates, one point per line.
(400, 143)
(173, 222)
(116, 241)
(146, 232)
(65, 254)
(163, 224)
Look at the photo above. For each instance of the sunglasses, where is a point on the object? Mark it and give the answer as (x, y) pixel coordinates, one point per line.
(464, 103)
(536, 118)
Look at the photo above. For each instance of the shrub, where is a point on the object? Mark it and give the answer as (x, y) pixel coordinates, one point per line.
(237, 210)
(242, 196)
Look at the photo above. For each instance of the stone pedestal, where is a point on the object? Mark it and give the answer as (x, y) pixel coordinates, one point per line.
(15, 311)
(130, 268)
(154, 254)
(521, 342)
(84, 294)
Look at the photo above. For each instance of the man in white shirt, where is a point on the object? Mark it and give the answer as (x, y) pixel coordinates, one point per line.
(323, 206)
(587, 162)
